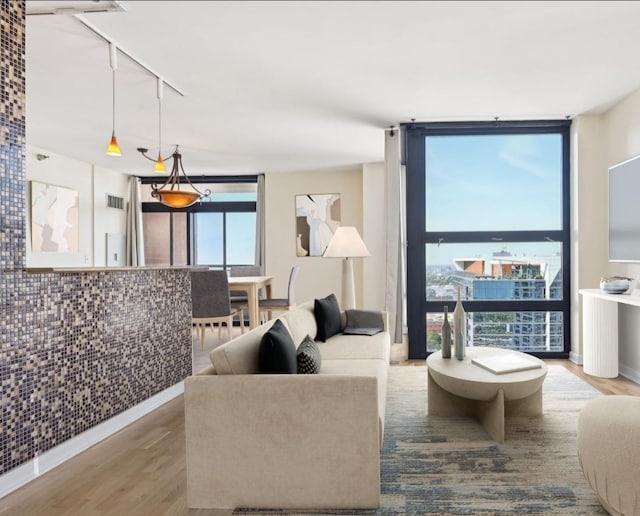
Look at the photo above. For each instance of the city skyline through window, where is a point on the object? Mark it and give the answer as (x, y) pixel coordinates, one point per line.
(495, 228)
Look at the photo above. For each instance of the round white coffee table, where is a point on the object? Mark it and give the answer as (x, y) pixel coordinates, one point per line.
(461, 388)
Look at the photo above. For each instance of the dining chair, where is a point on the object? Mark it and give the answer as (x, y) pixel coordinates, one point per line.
(240, 296)
(281, 304)
(211, 303)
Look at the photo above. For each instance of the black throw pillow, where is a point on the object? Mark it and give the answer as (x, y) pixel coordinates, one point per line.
(327, 314)
(277, 353)
(309, 359)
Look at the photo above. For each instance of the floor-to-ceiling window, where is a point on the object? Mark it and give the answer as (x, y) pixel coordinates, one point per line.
(488, 217)
(219, 231)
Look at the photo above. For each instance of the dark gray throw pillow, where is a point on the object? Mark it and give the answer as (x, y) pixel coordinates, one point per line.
(363, 322)
(309, 359)
(277, 353)
(327, 314)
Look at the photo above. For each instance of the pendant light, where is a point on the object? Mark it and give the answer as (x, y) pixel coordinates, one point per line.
(170, 193)
(159, 166)
(113, 149)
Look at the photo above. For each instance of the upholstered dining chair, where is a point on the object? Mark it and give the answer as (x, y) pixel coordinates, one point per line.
(284, 304)
(239, 296)
(211, 302)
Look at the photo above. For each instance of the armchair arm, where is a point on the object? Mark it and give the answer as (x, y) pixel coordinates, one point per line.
(282, 441)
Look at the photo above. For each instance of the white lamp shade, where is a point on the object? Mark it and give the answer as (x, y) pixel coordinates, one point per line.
(346, 243)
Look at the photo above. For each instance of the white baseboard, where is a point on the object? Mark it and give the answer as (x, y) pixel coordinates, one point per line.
(32, 469)
(575, 358)
(629, 373)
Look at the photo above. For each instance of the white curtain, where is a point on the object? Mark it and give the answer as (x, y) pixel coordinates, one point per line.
(260, 227)
(135, 241)
(394, 191)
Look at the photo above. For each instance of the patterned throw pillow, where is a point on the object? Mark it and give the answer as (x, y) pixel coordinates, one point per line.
(308, 356)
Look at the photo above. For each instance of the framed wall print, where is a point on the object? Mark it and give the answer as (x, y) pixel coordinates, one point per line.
(317, 217)
(54, 218)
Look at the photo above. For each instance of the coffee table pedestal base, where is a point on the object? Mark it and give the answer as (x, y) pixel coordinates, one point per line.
(490, 413)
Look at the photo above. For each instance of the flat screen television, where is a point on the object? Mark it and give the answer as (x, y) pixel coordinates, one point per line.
(624, 211)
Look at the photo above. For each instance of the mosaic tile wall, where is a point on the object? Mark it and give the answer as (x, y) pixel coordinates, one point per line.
(75, 348)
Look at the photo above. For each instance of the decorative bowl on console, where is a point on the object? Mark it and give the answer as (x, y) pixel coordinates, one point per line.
(615, 284)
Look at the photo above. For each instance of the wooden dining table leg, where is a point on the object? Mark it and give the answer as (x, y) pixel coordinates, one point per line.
(267, 293)
(252, 301)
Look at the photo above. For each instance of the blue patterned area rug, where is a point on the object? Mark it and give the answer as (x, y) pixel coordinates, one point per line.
(450, 466)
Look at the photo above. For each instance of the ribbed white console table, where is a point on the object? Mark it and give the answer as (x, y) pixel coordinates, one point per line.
(600, 330)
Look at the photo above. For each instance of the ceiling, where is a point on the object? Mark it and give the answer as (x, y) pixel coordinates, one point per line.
(296, 86)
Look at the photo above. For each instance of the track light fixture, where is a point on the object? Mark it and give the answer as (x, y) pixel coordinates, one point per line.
(113, 149)
(159, 166)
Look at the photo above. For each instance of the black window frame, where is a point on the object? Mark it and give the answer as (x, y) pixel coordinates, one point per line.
(201, 207)
(418, 237)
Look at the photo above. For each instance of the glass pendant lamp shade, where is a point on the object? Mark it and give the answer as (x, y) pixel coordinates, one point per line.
(177, 198)
(114, 149)
(159, 166)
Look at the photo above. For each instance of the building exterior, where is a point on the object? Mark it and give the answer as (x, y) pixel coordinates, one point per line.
(507, 277)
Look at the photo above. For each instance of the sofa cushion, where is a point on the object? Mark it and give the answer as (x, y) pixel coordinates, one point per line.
(301, 322)
(355, 347)
(363, 322)
(308, 356)
(277, 353)
(327, 314)
(239, 355)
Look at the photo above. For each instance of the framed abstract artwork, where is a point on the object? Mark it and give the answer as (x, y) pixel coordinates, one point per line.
(317, 217)
(54, 218)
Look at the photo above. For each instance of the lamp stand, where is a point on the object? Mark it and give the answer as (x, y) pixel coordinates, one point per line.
(348, 288)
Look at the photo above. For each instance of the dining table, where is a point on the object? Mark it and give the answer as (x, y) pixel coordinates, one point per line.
(252, 285)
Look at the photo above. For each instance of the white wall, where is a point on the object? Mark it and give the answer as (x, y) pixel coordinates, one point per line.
(598, 142)
(374, 235)
(107, 220)
(588, 217)
(622, 137)
(94, 219)
(318, 276)
(62, 171)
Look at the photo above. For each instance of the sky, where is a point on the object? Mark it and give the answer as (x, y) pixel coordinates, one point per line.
(475, 182)
(493, 182)
(241, 233)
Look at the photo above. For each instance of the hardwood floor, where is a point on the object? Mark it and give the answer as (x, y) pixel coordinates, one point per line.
(618, 385)
(141, 469)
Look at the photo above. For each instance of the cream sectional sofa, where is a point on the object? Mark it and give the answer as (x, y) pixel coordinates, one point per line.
(288, 441)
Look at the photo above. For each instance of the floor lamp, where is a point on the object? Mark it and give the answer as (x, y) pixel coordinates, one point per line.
(346, 243)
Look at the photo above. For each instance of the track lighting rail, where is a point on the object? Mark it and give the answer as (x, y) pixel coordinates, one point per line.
(128, 54)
